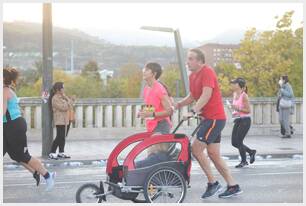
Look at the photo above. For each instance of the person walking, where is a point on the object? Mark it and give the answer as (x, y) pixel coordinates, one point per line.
(242, 120)
(14, 131)
(62, 108)
(205, 92)
(285, 106)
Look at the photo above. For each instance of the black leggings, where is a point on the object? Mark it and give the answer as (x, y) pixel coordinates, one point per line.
(60, 138)
(241, 128)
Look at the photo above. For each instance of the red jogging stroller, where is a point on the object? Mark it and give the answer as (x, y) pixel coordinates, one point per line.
(161, 176)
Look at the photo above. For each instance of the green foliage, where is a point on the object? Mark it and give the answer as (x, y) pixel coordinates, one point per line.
(84, 87)
(115, 88)
(265, 56)
(170, 76)
(131, 78)
(91, 70)
(226, 72)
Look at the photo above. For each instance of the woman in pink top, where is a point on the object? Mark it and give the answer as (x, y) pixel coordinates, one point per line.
(158, 108)
(241, 114)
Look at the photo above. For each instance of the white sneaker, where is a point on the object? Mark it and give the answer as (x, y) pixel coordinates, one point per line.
(63, 155)
(50, 181)
(53, 156)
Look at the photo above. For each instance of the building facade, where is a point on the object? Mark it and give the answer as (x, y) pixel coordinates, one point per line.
(216, 53)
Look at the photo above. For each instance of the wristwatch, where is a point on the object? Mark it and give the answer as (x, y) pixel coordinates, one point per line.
(192, 110)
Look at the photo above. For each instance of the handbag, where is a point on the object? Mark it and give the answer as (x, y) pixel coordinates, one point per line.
(285, 103)
(71, 114)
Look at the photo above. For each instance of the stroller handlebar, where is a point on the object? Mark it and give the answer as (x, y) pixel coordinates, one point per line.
(185, 119)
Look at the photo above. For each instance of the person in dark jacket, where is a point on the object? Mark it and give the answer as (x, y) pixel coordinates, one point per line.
(285, 94)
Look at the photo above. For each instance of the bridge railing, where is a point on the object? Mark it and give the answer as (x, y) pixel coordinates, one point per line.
(122, 112)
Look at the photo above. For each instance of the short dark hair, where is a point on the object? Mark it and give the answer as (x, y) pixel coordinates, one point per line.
(199, 53)
(10, 75)
(285, 78)
(155, 68)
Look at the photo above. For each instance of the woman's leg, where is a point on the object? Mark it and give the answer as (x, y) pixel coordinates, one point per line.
(286, 120)
(235, 134)
(36, 175)
(56, 141)
(63, 142)
(281, 120)
(243, 129)
(237, 139)
(61, 137)
(246, 127)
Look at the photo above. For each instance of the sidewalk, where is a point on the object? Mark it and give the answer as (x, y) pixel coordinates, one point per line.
(93, 149)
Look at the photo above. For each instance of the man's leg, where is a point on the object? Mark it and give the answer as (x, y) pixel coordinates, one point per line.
(213, 186)
(213, 151)
(198, 148)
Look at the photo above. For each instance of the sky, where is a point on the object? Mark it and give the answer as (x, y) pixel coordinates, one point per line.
(196, 21)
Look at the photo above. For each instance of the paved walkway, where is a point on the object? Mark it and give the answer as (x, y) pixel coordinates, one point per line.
(87, 150)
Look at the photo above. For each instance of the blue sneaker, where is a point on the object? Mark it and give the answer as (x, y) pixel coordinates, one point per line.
(50, 181)
(231, 191)
(211, 190)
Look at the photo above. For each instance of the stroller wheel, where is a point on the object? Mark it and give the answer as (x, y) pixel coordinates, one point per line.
(89, 193)
(165, 185)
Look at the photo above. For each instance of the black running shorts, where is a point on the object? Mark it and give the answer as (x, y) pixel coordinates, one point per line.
(210, 131)
(15, 140)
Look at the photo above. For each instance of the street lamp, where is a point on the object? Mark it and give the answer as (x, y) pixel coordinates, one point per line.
(179, 51)
(47, 78)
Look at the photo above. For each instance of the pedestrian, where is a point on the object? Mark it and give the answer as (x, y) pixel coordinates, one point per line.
(157, 110)
(285, 106)
(14, 131)
(205, 92)
(242, 120)
(62, 109)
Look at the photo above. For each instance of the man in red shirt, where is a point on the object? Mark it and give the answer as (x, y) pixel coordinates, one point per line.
(204, 90)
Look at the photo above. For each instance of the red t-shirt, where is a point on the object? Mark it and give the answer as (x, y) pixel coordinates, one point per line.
(206, 77)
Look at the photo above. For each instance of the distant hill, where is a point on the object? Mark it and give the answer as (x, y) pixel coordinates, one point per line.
(23, 36)
(22, 42)
(227, 37)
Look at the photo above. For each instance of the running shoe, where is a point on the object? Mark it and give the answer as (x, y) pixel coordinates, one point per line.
(211, 190)
(231, 191)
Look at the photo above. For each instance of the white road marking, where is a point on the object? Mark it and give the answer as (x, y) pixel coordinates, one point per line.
(10, 175)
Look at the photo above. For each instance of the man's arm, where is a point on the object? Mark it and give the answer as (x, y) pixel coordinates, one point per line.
(204, 98)
(186, 101)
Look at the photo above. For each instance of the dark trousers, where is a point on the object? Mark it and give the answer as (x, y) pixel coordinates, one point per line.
(60, 138)
(240, 129)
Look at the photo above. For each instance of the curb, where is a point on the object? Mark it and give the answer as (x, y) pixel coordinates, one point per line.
(102, 162)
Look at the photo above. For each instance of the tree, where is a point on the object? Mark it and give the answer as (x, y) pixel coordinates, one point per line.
(265, 56)
(91, 70)
(226, 72)
(171, 76)
(29, 76)
(126, 84)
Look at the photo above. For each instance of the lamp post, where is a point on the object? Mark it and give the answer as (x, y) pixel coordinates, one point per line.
(47, 78)
(179, 51)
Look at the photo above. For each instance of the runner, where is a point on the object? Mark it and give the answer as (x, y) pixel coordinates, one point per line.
(204, 90)
(14, 131)
(242, 119)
